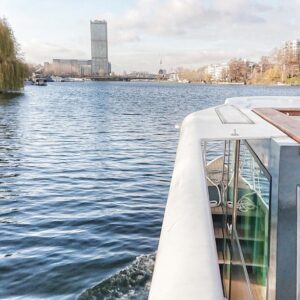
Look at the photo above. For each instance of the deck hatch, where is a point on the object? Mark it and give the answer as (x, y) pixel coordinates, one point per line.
(230, 114)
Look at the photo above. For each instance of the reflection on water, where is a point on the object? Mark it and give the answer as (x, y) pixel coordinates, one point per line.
(84, 174)
(7, 97)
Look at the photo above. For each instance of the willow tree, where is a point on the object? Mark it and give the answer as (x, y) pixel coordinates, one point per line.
(12, 68)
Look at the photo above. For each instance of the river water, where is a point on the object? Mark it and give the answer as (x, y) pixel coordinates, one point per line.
(84, 176)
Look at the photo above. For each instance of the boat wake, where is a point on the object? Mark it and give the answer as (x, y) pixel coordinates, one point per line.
(131, 283)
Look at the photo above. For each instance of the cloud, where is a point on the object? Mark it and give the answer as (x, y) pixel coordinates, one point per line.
(182, 32)
(34, 51)
(154, 17)
(184, 18)
(195, 32)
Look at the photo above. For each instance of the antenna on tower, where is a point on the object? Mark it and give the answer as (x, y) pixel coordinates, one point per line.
(161, 72)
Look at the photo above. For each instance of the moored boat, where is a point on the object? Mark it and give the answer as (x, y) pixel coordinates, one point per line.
(40, 82)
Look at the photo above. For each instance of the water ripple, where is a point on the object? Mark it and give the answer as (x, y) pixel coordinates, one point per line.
(84, 177)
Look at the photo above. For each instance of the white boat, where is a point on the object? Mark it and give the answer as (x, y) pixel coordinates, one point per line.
(231, 228)
(40, 82)
(56, 78)
(184, 81)
(72, 79)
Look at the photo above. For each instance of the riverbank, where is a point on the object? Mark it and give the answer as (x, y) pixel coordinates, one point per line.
(258, 83)
(246, 83)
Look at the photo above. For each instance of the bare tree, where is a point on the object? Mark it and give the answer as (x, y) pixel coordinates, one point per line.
(238, 70)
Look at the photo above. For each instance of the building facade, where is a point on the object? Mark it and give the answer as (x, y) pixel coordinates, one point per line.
(99, 48)
(68, 67)
(291, 47)
(97, 66)
(217, 72)
(290, 58)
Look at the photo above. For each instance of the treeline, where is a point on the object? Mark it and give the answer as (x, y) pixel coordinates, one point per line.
(283, 66)
(12, 68)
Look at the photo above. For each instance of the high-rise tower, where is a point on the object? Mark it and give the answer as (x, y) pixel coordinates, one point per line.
(99, 48)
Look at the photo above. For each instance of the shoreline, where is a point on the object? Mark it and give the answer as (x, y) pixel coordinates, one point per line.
(118, 79)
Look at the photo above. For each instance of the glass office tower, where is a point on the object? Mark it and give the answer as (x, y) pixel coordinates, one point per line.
(99, 48)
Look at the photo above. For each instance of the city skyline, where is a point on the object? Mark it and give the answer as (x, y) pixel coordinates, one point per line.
(187, 33)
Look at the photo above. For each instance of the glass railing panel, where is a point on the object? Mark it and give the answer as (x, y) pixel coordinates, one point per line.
(253, 220)
(244, 258)
(240, 285)
(216, 175)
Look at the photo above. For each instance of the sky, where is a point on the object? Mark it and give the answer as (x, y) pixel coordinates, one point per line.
(141, 33)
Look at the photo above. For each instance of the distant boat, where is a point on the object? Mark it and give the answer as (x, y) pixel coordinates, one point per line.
(71, 79)
(283, 84)
(56, 78)
(40, 82)
(184, 81)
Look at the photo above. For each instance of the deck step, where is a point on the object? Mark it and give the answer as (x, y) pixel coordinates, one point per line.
(219, 234)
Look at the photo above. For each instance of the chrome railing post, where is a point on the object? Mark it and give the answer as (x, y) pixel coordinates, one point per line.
(236, 182)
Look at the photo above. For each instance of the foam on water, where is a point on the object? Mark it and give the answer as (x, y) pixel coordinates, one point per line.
(131, 283)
